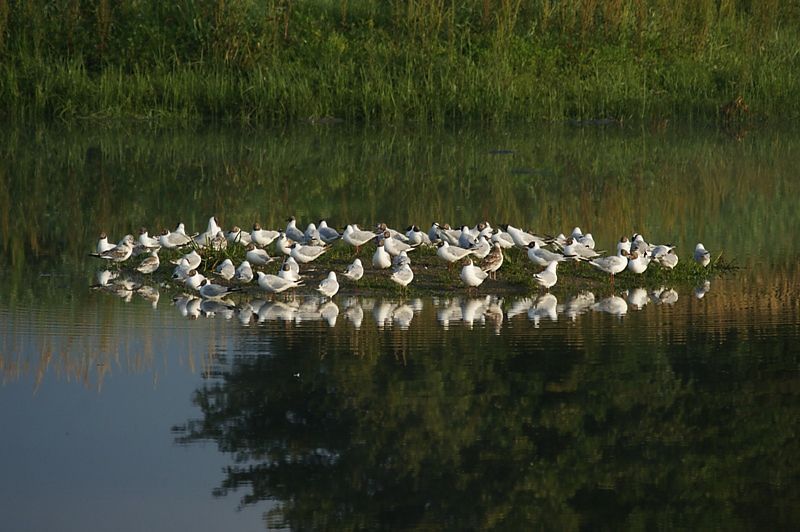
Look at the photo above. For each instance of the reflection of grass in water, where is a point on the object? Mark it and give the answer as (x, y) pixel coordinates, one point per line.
(61, 187)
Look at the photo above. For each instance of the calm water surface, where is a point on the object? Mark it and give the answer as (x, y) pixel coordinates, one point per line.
(657, 406)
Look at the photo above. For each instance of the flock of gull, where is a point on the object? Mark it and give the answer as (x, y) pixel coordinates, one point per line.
(478, 249)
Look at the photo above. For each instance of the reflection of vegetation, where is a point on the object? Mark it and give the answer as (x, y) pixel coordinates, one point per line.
(469, 431)
(58, 188)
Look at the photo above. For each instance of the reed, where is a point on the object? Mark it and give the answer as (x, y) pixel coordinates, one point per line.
(437, 62)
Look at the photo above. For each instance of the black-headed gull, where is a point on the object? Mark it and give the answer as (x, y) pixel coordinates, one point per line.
(356, 237)
(381, 259)
(542, 257)
(450, 253)
(262, 237)
(612, 264)
(637, 263)
(306, 253)
(257, 256)
(209, 290)
(472, 275)
(292, 232)
(103, 244)
(275, 284)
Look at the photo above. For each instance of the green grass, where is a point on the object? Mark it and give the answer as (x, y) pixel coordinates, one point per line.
(389, 62)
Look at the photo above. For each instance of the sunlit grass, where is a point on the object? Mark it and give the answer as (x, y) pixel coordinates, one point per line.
(436, 62)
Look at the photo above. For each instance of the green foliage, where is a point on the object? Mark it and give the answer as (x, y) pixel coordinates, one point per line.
(391, 62)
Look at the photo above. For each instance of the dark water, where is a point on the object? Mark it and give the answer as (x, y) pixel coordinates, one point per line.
(522, 411)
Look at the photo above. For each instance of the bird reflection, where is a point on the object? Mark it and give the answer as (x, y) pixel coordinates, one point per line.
(702, 290)
(329, 312)
(213, 307)
(636, 297)
(664, 296)
(520, 306)
(578, 304)
(402, 316)
(471, 311)
(355, 314)
(614, 305)
(148, 293)
(382, 313)
(545, 307)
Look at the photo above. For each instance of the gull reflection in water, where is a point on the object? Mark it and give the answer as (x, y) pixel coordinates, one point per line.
(578, 304)
(224, 308)
(702, 290)
(473, 309)
(520, 306)
(148, 293)
(545, 307)
(382, 313)
(664, 296)
(637, 298)
(450, 311)
(329, 312)
(276, 311)
(402, 316)
(613, 305)
(354, 312)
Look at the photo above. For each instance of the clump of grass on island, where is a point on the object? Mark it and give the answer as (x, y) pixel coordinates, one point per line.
(278, 61)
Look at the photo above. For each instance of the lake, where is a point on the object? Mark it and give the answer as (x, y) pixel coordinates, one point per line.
(640, 405)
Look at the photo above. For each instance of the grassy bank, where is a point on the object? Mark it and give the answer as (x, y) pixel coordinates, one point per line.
(398, 61)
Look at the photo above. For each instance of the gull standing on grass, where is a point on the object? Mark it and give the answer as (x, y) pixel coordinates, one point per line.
(275, 284)
(471, 275)
(547, 277)
(493, 260)
(173, 240)
(103, 244)
(329, 286)
(226, 270)
(381, 259)
(403, 275)
(244, 273)
(119, 253)
(355, 270)
(542, 257)
(256, 256)
(329, 235)
(450, 253)
(290, 270)
(193, 259)
(356, 237)
(262, 237)
(292, 232)
(149, 264)
(305, 254)
(613, 264)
